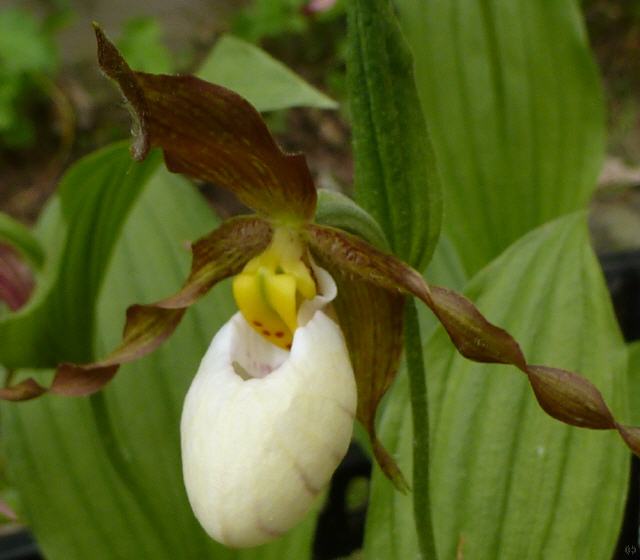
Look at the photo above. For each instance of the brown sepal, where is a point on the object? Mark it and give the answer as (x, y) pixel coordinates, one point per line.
(23, 391)
(564, 395)
(213, 134)
(371, 319)
(76, 381)
(216, 256)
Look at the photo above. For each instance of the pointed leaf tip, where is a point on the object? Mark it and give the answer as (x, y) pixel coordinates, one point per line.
(211, 133)
(389, 466)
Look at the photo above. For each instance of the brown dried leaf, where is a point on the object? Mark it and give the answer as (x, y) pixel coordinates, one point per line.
(211, 133)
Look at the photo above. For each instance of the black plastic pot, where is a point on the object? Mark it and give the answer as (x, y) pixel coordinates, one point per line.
(19, 546)
(622, 271)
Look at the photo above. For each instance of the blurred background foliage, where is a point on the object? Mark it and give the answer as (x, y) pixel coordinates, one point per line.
(54, 106)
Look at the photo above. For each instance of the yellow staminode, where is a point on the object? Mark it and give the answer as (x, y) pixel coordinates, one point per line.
(271, 286)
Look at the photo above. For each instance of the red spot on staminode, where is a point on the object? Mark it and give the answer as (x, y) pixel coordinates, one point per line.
(279, 334)
(257, 323)
(266, 333)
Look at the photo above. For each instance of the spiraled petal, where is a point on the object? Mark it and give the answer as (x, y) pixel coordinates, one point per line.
(264, 429)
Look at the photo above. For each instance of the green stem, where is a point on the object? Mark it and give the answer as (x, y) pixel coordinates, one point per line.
(122, 467)
(420, 415)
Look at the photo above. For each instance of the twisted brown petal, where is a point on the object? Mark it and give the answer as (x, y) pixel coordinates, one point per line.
(23, 391)
(211, 133)
(564, 395)
(570, 398)
(371, 320)
(216, 256)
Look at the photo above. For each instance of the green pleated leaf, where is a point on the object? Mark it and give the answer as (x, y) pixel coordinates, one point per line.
(507, 480)
(81, 229)
(74, 496)
(265, 82)
(396, 179)
(18, 236)
(513, 102)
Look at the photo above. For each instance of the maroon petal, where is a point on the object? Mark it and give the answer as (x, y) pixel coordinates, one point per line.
(217, 256)
(564, 395)
(371, 319)
(211, 133)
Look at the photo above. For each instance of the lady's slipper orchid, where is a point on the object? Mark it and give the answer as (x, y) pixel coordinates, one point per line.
(264, 425)
(264, 428)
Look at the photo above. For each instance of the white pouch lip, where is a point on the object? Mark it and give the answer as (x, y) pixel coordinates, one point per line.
(257, 451)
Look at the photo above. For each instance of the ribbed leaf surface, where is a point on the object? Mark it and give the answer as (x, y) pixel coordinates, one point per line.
(507, 480)
(512, 99)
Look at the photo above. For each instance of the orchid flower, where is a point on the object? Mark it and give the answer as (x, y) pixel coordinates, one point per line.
(318, 336)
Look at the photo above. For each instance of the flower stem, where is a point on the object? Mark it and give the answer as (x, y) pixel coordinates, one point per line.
(122, 467)
(420, 415)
